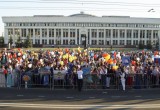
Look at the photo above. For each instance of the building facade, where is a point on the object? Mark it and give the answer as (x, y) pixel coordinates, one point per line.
(75, 29)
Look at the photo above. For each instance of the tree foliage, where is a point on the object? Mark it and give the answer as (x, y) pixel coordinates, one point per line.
(10, 40)
(28, 42)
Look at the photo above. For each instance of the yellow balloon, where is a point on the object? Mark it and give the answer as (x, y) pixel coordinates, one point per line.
(61, 62)
(107, 57)
(115, 67)
(70, 59)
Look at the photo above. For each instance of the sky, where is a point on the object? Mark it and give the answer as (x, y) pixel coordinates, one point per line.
(133, 8)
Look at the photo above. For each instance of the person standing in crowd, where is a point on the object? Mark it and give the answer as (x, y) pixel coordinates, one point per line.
(122, 75)
(5, 71)
(80, 78)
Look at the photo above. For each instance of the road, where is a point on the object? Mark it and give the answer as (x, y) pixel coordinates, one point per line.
(40, 99)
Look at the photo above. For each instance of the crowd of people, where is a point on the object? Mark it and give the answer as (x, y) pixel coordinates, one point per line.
(93, 67)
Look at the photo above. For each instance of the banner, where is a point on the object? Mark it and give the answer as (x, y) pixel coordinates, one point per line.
(157, 60)
(126, 60)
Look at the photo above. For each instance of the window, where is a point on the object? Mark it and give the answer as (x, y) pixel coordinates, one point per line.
(115, 42)
(108, 33)
(101, 42)
(129, 33)
(94, 33)
(121, 42)
(148, 33)
(135, 34)
(10, 32)
(115, 33)
(155, 34)
(94, 42)
(128, 42)
(72, 32)
(44, 32)
(65, 32)
(122, 33)
(30, 32)
(101, 33)
(37, 32)
(23, 31)
(51, 32)
(142, 33)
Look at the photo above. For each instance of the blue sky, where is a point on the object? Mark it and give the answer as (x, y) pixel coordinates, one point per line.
(133, 8)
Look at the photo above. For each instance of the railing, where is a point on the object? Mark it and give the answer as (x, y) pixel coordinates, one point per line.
(60, 80)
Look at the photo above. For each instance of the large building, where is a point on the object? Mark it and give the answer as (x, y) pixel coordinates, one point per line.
(75, 29)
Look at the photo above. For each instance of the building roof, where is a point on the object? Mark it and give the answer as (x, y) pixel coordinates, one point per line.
(80, 18)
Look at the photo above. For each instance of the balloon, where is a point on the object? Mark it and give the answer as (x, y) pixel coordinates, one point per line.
(115, 67)
(67, 50)
(61, 62)
(110, 61)
(70, 59)
(114, 61)
(133, 62)
(104, 55)
(107, 57)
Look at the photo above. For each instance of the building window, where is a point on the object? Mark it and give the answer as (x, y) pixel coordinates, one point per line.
(142, 33)
(101, 42)
(37, 41)
(115, 42)
(149, 34)
(51, 41)
(122, 33)
(44, 32)
(108, 33)
(72, 32)
(121, 42)
(94, 42)
(30, 32)
(23, 31)
(10, 32)
(94, 33)
(65, 32)
(155, 34)
(58, 33)
(101, 33)
(135, 34)
(37, 32)
(129, 33)
(128, 42)
(51, 32)
(44, 41)
(115, 33)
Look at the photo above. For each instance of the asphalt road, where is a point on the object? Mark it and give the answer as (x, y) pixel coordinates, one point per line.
(40, 99)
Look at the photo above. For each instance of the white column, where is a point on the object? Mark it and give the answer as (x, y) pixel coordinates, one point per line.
(14, 37)
(151, 36)
(76, 36)
(132, 37)
(47, 36)
(61, 36)
(69, 36)
(111, 37)
(104, 37)
(55, 36)
(145, 37)
(118, 37)
(33, 35)
(97, 37)
(90, 37)
(138, 36)
(159, 38)
(125, 37)
(6, 38)
(79, 37)
(40, 35)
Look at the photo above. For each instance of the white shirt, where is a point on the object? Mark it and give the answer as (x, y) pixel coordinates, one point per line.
(80, 74)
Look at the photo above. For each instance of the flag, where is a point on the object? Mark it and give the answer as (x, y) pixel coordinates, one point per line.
(126, 60)
(157, 60)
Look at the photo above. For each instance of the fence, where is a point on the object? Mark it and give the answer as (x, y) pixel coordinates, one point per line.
(61, 80)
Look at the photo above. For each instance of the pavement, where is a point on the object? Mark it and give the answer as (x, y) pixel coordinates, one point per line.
(37, 99)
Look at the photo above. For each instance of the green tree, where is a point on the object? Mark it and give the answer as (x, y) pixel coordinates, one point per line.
(157, 45)
(28, 42)
(10, 40)
(18, 43)
(149, 45)
(141, 45)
